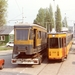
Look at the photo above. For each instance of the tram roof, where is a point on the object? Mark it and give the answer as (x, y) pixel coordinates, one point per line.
(58, 33)
(24, 24)
(29, 25)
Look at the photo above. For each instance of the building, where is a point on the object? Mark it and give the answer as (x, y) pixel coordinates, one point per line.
(6, 34)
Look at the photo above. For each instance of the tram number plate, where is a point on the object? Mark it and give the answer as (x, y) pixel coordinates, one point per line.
(54, 52)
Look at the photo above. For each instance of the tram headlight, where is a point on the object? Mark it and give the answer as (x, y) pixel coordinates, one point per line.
(50, 53)
(13, 60)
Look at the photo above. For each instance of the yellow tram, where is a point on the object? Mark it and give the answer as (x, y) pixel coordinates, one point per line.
(59, 44)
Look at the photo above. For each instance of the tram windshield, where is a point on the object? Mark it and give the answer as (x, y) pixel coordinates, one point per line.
(22, 34)
(55, 43)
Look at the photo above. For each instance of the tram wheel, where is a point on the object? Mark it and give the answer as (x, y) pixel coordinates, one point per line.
(40, 60)
(62, 59)
(66, 57)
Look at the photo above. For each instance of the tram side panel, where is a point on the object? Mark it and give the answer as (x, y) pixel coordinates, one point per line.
(69, 40)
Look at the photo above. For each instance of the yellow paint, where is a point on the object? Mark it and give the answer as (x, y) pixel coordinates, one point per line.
(28, 42)
(38, 42)
(68, 47)
(53, 53)
(56, 35)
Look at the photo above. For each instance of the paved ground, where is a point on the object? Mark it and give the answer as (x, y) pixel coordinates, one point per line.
(5, 52)
(46, 68)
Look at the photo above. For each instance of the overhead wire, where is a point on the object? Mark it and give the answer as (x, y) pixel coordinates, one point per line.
(15, 17)
(17, 5)
(19, 11)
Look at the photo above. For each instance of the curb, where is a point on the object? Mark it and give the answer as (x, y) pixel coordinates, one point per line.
(5, 52)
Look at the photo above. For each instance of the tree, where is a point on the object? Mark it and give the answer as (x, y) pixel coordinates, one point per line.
(40, 17)
(65, 22)
(3, 9)
(45, 18)
(58, 19)
(51, 18)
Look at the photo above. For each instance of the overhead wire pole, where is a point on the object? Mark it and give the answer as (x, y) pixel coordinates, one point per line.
(20, 11)
(22, 15)
(17, 5)
(66, 20)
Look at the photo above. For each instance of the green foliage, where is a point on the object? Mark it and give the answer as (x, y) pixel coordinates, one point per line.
(3, 9)
(45, 18)
(65, 22)
(2, 48)
(51, 18)
(40, 17)
(58, 19)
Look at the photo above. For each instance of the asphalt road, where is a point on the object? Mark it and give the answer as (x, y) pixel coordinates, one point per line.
(46, 68)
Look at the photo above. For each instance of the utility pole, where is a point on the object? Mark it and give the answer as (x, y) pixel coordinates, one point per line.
(22, 16)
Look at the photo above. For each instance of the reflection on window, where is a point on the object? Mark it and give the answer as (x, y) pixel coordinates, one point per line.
(22, 34)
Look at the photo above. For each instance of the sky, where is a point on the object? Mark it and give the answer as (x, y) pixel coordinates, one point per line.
(29, 9)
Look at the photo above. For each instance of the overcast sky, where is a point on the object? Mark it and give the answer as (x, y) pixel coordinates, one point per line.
(30, 9)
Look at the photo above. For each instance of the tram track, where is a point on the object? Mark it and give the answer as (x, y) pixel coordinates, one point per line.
(42, 69)
(72, 51)
(59, 68)
(47, 64)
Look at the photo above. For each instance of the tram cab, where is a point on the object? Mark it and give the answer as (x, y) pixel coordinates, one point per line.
(59, 44)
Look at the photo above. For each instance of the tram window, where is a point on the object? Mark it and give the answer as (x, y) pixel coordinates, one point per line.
(68, 39)
(45, 35)
(22, 34)
(39, 34)
(63, 42)
(31, 34)
(60, 42)
(42, 35)
(55, 42)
